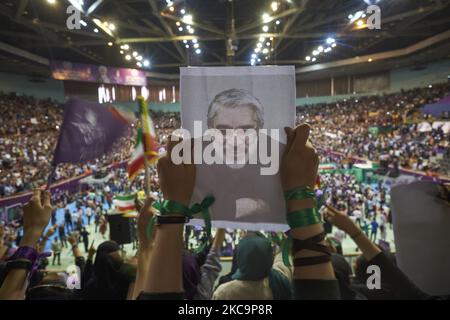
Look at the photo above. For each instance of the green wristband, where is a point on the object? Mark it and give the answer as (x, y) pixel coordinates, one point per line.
(300, 193)
(303, 218)
(172, 207)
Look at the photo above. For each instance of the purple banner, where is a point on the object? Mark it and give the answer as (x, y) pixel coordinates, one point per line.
(64, 70)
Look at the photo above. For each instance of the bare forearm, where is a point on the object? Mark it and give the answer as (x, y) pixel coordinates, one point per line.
(15, 283)
(164, 268)
(367, 247)
(141, 273)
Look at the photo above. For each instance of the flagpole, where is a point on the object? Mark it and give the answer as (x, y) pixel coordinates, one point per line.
(50, 178)
(147, 177)
(143, 105)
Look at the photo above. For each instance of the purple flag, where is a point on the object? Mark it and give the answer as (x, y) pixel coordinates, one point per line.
(88, 131)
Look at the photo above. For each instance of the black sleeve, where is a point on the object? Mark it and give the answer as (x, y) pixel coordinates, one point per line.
(392, 276)
(87, 272)
(306, 289)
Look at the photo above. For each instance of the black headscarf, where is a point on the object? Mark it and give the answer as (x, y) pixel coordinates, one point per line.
(255, 259)
(108, 282)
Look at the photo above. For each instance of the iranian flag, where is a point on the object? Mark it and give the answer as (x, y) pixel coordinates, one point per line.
(136, 161)
(146, 144)
(125, 203)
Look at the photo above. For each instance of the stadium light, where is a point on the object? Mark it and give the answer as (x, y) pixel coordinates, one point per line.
(186, 46)
(313, 59)
(253, 55)
(261, 39)
(266, 17)
(182, 11)
(277, 22)
(178, 23)
(333, 44)
(112, 27)
(180, 29)
(259, 44)
(83, 23)
(308, 58)
(328, 49)
(184, 41)
(172, 9)
(196, 45)
(194, 40)
(110, 44)
(320, 48)
(187, 19)
(139, 64)
(51, 1)
(96, 30)
(191, 31)
(274, 6)
(265, 28)
(315, 53)
(135, 54)
(330, 40)
(198, 51)
(128, 57)
(265, 51)
(146, 63)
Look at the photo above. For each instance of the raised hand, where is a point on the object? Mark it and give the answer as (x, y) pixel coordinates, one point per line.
(36, 214)
(176, 181)
(341, 221)
(300, 161)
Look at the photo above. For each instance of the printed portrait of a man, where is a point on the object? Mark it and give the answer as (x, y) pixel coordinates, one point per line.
(244, 196)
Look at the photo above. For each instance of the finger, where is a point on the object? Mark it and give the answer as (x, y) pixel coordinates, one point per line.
(290, 136)
(46, 199)
(301, 137)
(36, 196)
(333, 210)
(148, 204)
(173, 141)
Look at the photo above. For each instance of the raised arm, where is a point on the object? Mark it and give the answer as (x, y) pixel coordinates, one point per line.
(164, 275)
(313, 274)
(390, 274)
(145, 246)
(211, 268)
(36, 214)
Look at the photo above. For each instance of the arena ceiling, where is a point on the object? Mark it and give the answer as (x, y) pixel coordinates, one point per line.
(217, 32)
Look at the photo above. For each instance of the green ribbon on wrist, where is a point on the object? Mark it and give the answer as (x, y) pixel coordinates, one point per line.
(170, 207)
(300, 193)
(299, 218)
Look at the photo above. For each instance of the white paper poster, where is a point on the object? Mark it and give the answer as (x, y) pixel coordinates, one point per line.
(247, 192)
(422, 235)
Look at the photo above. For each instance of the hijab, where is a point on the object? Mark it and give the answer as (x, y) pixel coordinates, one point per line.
(108, 281)
(254, 261)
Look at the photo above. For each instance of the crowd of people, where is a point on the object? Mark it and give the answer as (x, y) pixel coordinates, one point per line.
(163, 269)
(167, 265)
(383, 127)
